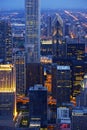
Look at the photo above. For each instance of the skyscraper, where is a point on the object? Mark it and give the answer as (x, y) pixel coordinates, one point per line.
(7, 95)
(61, 81)
(79, 118)
(32, 39)
(38, 105)
(59, 47)
(19, 61)
(32, 42)
(76, 52)
(5, 41)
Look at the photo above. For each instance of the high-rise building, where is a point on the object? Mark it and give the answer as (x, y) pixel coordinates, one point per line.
(76, 52)
(20, 64)
(49, 26)
(32, 38)
(34, 74)
(48, 78)
(18, 40)
(32, 42)
(63, 118)
(46, 47)
(5, 42)
(61, 83)
(59, 46)
(7, 95)
(79, 117)
(38, 105)
(67, 29)
(81, 99)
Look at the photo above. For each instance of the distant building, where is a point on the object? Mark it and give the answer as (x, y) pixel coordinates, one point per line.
(34, 74)
(81, 99)
(49, 26)
(18, 40)
(59, 47)
(48, 77)
(61, 83)
(79, 119)
(67, 29)
(38, 105)
(7, 95)
(46, 46)
(76, 52)
(6, 44)
(20, 64)
(84, 82)
(63, 118)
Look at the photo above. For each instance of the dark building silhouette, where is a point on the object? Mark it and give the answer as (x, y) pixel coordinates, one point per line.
(20, 64)
(76, 52)
(34, 74)
(38, 105)
(79, 118)
(67, 29)
(61, 84)
(49, 26)
(5, 41)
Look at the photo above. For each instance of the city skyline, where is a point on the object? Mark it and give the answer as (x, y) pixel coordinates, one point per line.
(10, 4)
(44, 85)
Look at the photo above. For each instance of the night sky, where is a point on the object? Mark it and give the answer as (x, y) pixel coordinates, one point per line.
(18, 4)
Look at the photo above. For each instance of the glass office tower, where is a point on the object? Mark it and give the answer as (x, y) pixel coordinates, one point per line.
(32, 42)
(32, 38)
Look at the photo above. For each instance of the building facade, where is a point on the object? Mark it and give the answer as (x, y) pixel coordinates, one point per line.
(7, 95)
(79, 117)
(59, 47)
(32, 38)
(32, 42)
(61, 83)
(38, 105)
(63, 118)
(5, 41)
(76, 52)
(20, 64)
